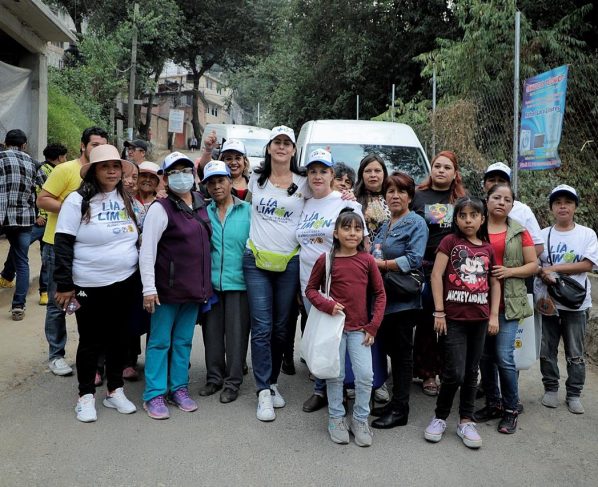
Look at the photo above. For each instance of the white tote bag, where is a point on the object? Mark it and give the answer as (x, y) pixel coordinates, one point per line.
(322, 338)
(525, 340)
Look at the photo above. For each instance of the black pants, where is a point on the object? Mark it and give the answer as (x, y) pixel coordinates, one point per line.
(462, 348)
(396, 337)
(102, 322)
(226, 336)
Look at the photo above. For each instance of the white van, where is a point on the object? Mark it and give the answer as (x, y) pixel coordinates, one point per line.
(254, 138)
(350, 141)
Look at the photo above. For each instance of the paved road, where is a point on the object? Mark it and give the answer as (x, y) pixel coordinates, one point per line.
(43, 444)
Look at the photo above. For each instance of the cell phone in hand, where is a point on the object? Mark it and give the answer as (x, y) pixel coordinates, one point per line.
(72, 306)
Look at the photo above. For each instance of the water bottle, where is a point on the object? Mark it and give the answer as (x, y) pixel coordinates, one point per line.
(377, 253)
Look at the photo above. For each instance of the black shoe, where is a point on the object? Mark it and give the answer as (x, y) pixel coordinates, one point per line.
(245, 368)
(391, 420)
(381, 410)
(228, 395)
(488, 413)
(508, 423)
(209, 389)
(288, 366)
(315, 403)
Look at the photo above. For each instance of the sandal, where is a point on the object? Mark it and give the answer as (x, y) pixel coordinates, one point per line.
(430, 387)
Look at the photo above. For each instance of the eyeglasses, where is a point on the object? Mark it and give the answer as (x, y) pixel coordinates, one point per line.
(187, 170)
(133, 149)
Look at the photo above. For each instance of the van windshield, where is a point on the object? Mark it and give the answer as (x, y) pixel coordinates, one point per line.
(407, 159)
(255, 147)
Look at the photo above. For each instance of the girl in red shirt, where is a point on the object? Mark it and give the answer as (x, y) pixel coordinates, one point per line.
(353, 273)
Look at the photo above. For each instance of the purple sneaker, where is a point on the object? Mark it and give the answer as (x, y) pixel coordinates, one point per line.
(469, 434)
(156, 408)
(181, 398)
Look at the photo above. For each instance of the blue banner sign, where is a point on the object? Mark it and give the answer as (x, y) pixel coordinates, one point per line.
(542, 114)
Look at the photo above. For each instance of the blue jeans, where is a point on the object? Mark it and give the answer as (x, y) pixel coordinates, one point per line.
(270, 296)
(9, 270)
(19, 238)
(171, 330)
(498, 361)
(361, 359)
(55, 325)
(571, 325)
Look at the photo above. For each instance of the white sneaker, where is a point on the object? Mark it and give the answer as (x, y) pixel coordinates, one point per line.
(117, 400)
(59, 366)
(265, 409)
(86, 409)
(277, 400)
(381, 394)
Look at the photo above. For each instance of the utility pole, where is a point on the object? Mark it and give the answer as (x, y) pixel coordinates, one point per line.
(515, 168)
(393, 103)
(357, 116)
(434, 111)
(131, 106)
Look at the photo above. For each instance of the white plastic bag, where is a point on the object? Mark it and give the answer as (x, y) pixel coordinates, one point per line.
(525, 341)
(321, 340)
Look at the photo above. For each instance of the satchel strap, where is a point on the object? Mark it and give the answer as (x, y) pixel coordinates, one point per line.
(328, 279)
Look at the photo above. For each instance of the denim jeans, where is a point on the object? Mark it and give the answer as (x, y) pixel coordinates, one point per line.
(462, 348)
(571, 325)
(169, 349)
(55, 325)
(9, 270)
(19, 238)
(396, 337)
(270, 296)
(498, 362)
(361, 359)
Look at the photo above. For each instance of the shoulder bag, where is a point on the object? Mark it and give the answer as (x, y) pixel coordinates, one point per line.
(322, 337)
(566, 290)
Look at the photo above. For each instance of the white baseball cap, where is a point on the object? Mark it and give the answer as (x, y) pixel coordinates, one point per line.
(233, 144)
(149, 167)
(173, 158)
(283, 130)
(499, 167)
(215, 168)
(563, 190)
(320, 155)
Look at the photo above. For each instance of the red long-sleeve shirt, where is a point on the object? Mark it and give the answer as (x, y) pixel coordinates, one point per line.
(352, 279)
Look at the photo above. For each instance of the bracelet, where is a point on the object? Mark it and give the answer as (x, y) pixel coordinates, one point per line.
(439, 314)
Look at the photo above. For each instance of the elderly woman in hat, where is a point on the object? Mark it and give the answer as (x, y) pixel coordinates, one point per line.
(96, 274)
(175, 270)
(226, 327)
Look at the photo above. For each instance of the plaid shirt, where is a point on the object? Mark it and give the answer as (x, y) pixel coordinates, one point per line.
(18, 178)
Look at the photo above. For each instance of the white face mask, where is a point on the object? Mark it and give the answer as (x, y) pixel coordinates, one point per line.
(180, 183)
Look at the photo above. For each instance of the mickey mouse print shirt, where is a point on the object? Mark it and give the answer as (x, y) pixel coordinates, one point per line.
(466, 278)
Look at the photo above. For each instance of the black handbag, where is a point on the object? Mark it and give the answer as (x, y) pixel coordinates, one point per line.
(402, 286)
(566, 290)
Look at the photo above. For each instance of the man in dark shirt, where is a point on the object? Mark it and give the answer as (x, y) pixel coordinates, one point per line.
(18, 178)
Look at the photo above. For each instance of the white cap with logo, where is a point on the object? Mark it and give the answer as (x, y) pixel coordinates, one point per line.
(215, 168)
(173, 158)
(233, 144)
(499, 167)
(283, 130)
(563, 190)
(322, 156)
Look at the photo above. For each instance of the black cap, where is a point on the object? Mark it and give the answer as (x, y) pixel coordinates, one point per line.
(142, 144)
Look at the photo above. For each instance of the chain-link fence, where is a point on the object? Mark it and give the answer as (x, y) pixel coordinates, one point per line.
(478, 126)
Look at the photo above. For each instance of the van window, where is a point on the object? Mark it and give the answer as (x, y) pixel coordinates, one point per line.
(255, 147)
(407, 159)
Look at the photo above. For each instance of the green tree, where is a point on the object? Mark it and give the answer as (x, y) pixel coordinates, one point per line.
(220, 33)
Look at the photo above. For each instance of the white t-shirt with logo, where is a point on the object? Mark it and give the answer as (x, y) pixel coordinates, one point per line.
(568, 248)
(315, 229)
(105, 248)
(275, 215)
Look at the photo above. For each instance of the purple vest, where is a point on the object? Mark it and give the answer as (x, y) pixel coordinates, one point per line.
(183, 263)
